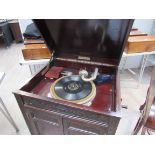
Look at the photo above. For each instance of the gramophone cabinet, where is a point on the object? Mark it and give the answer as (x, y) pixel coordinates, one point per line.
(77, 44)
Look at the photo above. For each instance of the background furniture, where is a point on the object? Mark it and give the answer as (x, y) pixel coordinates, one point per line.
(14, 26)
(5, 33)
(137, 33)
(138, 44)
(3, 108)
(145, 58)
(34, 65)
(36, 51)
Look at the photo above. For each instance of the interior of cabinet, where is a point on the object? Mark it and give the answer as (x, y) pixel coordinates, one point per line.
(103, 100)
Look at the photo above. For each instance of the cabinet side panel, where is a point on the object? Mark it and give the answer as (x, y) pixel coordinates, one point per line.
(26, 117)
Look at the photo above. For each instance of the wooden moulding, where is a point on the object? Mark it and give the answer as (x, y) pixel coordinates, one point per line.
(141, 44)
(36, 51)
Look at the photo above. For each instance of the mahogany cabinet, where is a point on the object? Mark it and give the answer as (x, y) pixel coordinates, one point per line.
(77, 44)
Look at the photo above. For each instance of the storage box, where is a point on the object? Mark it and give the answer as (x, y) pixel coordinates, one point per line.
(141, 44)
(36, 51)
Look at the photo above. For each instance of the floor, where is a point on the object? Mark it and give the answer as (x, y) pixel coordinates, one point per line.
(132, 96)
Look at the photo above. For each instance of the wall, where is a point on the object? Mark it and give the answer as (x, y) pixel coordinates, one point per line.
(144, 25)
(23, 24)
(153, 29)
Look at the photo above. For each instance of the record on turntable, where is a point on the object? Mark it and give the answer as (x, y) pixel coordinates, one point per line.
(74, 89)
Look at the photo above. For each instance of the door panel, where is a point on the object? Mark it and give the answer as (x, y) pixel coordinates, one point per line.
(78, 126)
(45, 122)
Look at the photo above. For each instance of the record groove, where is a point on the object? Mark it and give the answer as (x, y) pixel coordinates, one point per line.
(74, 89)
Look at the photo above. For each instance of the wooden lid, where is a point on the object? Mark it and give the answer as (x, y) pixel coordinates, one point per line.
(93, 38)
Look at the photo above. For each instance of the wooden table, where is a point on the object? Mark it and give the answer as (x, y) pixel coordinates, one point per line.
(3, 108)
(145, 59)
(34, 65)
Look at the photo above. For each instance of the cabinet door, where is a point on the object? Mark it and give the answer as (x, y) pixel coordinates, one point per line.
(44, 122)
(78, 126)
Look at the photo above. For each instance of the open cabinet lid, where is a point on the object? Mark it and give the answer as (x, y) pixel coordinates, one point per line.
(94, 38)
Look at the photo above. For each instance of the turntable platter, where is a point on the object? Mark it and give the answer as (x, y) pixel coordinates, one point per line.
(74, 89)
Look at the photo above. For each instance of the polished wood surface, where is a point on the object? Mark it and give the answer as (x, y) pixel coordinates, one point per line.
(40, 85)
(141, 44)
(102, 103)
(98, 38)
(36, 51)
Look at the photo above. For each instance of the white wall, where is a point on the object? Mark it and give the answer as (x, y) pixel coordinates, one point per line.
(144, 25)
(23, 24)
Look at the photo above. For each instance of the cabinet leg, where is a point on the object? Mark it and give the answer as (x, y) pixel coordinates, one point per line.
(145, 57)
(6, 113)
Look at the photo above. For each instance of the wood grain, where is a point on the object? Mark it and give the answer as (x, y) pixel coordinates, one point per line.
(141, 44)
(36, 51)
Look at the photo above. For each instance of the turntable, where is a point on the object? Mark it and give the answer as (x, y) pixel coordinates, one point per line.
(74, 89)
(78, 92)
(78, 89)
